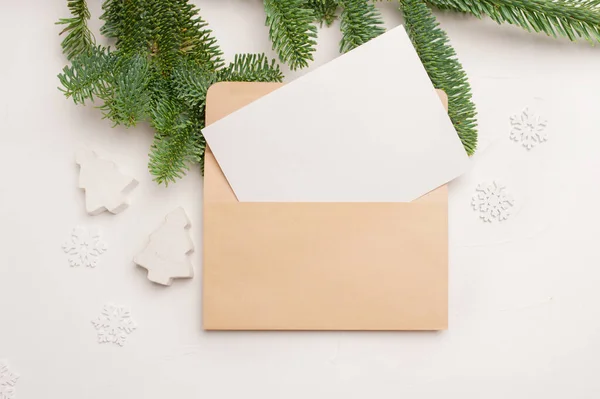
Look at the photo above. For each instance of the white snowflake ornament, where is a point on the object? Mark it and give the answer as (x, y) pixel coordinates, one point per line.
(84, 247)
(114, 325)
(528, 129)
(8, 380)
(492, 202)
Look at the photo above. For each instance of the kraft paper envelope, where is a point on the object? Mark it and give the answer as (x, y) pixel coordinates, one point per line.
(318, 266)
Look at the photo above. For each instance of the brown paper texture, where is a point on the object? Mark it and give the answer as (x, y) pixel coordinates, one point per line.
(319, 266)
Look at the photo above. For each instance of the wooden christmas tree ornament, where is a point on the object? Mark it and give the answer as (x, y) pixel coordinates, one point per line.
(167, 254)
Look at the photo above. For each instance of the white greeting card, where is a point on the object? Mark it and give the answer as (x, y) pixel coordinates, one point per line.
(366, 127)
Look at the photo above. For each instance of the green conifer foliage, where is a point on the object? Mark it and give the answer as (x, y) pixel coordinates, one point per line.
(291, 31)
(445, 72)
(324, 11)
(79, 37)
(569, 18)
(360, 22)
(164, 60)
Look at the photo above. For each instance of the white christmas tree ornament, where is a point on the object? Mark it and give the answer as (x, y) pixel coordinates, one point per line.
(167, 254)
(106, 188)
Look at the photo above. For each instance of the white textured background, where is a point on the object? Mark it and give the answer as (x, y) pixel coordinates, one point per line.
(524, 294)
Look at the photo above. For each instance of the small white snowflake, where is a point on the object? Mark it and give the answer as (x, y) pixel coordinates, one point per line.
(528, 129)
(8, 380)
(84, 247)
(492, 202)
(114, 325)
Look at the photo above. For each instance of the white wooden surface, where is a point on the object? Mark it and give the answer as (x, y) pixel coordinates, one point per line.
(524, 297)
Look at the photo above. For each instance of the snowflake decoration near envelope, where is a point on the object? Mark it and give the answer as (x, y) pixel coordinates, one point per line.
(84, 247)
(492, 202)
(8, 380)
(528, 129)
(114, 325)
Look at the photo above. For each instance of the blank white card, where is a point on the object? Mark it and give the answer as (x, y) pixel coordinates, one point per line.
(366, 127)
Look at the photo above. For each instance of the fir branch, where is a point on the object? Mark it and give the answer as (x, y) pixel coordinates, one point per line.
(88, 76)
(324, 11)
(166, 35)
(251, 68)
(360, 22)
(291, 31)
(79, 38)
(130, 97)
(112, 15)
(167, 116)
(165, 60)
(191, 82)
(171, 154)
(177, 142)
(569, 18)
(197, 40)
(163, 29)
(130, 23)
(445, 72)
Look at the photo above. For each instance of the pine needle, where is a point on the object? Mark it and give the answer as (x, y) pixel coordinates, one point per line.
(88, 76)
(324, 11)
(444, 70)
(171, 154)
(291, 31)
(573, 19)
(360, 22)
(165, 60)
(79, 37)
(251, 68)
(191, 83)
(130, 92)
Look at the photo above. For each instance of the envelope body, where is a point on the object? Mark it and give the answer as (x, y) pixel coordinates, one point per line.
(318, 266)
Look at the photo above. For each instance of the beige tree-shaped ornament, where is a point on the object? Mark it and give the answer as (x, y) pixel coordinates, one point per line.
(166, 256)
(106, 188)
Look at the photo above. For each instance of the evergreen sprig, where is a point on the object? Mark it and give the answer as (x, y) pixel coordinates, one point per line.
(443, 68)
(88, 76)
(360, 22)
(165, 59)
(173, 150)
(79, 37)
(291, 31)
(129, 96)
(324, 11)
(251, 68)
(569, 18)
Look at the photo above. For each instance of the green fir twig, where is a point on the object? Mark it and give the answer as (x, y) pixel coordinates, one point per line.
(165, 59)
(324, 11)
(291, 31)
(251, 68)
(569, 18)
(443, 68)
(79, 38)
(360, 22)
